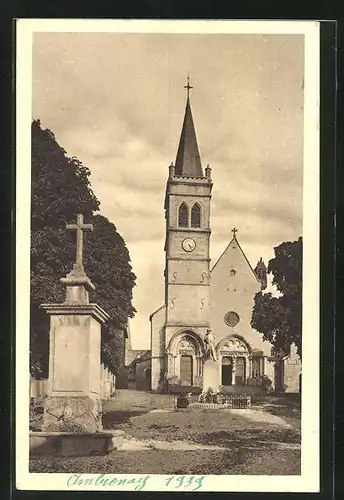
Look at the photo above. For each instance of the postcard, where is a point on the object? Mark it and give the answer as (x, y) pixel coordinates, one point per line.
(167, 253)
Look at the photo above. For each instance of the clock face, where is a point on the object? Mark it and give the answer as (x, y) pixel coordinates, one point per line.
(189, 245)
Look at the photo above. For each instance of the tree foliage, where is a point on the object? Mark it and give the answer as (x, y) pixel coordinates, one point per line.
(279, 318)
(61, 189)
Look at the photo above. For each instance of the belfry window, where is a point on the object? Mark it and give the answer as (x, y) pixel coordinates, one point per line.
(196, 216)
(183, 215)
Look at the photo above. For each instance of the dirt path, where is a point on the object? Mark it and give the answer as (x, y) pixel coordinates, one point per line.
(132, 444)
(261, 416)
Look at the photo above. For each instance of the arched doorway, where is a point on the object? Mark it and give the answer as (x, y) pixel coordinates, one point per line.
(226, 370)
(184, 361)
(186, 369)
(234, 354)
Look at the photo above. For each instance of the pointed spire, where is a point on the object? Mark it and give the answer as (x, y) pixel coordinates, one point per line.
(188, 161)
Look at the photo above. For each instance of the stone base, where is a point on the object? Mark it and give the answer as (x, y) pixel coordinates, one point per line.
(72, 414)
(211, 375)
(74, 444)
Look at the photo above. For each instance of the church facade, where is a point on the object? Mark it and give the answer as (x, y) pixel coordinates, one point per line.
(201, 336)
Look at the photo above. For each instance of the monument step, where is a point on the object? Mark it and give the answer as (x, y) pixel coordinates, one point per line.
(75, 444)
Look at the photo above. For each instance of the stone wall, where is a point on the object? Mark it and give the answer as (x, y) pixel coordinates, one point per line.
(269, 371)
(38, 388)
(292, 371)
(157, 346)
(107, 382)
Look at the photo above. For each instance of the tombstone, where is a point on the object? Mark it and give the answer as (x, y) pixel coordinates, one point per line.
(74, 360)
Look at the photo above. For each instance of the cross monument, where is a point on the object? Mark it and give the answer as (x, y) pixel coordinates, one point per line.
(79, 227)
(78, 284)
(74, 356)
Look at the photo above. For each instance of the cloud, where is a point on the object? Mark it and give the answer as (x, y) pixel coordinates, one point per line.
(116, 101)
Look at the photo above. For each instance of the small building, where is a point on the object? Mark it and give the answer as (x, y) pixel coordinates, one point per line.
(124, 357)
(139, 372)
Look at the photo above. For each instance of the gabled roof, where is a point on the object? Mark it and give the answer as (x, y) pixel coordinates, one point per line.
(241, 250)
(156, 311)
(188, 161)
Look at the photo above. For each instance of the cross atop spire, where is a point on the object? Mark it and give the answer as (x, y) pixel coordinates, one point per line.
(188, 87)
(188, 161)
(234, 230)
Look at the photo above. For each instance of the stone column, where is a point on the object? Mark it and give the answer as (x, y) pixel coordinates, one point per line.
(169, 364)
(74, 358)
(264, 365)
(177, 366)
(233, 370)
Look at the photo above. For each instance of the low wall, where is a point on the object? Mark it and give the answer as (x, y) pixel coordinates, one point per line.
(38, 388)
(107, 382)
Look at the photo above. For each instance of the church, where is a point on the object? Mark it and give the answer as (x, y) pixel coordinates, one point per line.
(201, 336)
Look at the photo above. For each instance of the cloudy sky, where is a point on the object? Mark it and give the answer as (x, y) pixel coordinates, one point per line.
(116, 101)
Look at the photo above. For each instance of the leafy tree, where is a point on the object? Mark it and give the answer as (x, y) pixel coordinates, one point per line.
(279, 318)
(61, 189)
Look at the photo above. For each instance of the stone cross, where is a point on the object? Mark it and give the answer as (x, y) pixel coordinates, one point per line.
(79, 227)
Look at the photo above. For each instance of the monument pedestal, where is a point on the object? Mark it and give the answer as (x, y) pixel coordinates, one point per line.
(73, 402)
(72, 423)
(211, 375)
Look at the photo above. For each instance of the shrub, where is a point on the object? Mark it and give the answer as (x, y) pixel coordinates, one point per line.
(183, 389)
(264, 382)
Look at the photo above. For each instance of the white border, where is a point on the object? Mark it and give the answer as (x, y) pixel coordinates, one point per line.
(308, 481)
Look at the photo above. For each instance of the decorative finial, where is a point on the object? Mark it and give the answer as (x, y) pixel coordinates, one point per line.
(208, 172)
(234, 230)
(188, 87)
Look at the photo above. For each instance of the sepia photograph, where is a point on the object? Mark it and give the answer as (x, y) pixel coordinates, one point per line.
(168, 177)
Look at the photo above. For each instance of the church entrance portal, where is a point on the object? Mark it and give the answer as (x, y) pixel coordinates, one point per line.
(226, 371)
(235, 357)
(186, 370)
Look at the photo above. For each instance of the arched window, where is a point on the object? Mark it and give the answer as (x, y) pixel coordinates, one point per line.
(183, 215)
(196, 216)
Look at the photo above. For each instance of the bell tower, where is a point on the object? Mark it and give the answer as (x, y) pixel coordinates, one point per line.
(187, 213)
